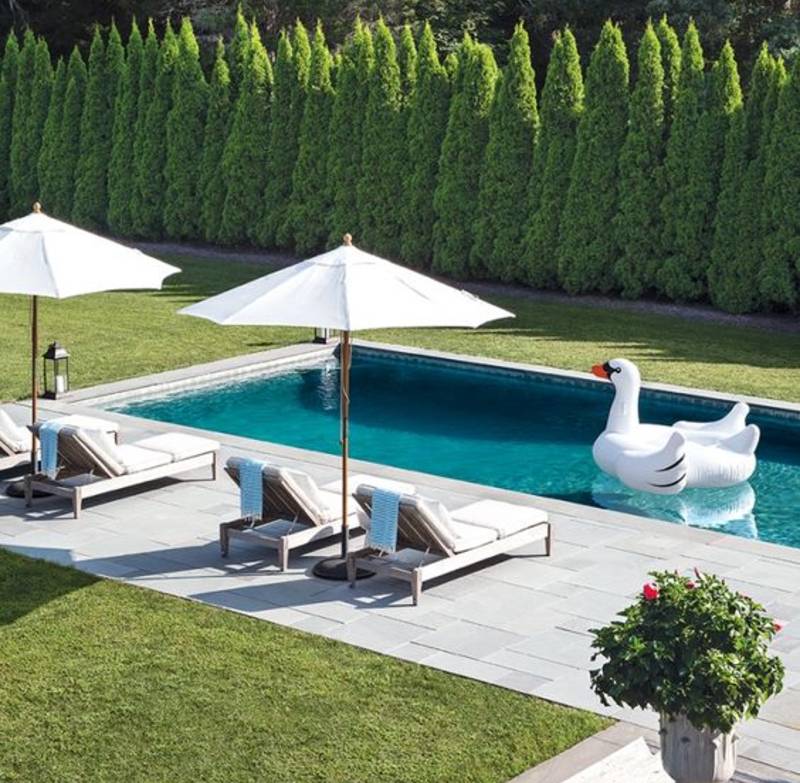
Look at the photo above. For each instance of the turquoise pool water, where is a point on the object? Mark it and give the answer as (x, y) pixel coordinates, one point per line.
(514, 430)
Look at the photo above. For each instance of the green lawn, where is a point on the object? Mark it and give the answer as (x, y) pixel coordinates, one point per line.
(118, 335)
(101, 681)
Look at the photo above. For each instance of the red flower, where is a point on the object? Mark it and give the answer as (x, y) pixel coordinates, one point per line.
(650, 592)
(690, 585)
(777, 625)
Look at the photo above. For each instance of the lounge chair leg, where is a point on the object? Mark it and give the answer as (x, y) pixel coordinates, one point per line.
(548, 542)
(416, 586)
(351, 571)
(214, 467)
(283, 553)
(77, 502)
(28, 491)
(223, 540)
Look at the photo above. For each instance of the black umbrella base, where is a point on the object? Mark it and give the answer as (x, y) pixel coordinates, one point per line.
(16, 489)
(335, 569)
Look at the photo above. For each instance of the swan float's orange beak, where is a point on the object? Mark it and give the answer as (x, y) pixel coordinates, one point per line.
(600, 371)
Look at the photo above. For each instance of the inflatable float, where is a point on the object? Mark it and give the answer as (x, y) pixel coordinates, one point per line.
(665, 460)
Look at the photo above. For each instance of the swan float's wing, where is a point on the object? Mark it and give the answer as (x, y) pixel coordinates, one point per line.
(711, 432)
(663, 471)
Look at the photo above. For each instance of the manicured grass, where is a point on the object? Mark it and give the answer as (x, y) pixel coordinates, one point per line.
(101, 681)
(120, 335)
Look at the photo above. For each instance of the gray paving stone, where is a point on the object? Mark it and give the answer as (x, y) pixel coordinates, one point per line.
(546, 670)
(469, 639)
(522, 682)
(467, 667)
(559, 646)
(377, 633)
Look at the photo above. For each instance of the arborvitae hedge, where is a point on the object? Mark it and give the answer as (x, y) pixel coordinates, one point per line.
(311, 198)
(670, 47)
(212, 182)
(185, 129)
(426, 127)
(640, 177)
(20, 162)
(588, 244)
(456, 197)
(121, 167)
(8, 88)
(69, 137)
(562, 104)
(48, 154)
(239, 53)
(507, 166)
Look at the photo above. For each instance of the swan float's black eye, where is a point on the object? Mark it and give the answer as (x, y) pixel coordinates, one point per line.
(609, 369)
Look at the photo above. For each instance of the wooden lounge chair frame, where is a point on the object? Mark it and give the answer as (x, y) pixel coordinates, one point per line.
(423, 554)
(78, 461)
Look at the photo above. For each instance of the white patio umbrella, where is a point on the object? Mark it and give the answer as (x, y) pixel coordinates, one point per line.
(41, 256)
(348, 290)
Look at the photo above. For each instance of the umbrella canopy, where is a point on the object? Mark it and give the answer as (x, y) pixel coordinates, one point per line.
(349, 290)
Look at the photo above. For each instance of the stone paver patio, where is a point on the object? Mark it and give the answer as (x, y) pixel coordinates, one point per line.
(521, 622)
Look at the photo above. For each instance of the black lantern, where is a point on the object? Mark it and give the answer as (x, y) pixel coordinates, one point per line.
(56, 371)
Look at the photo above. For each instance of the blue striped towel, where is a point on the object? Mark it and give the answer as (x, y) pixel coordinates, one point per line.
(251, 488)
(48, 437)
(382, 533)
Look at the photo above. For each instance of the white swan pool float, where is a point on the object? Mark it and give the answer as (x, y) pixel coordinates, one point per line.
(666, 460)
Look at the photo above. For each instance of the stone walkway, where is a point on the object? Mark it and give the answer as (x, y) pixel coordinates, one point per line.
(521, 622)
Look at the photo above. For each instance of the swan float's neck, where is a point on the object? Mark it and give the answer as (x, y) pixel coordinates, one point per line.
(624, 414)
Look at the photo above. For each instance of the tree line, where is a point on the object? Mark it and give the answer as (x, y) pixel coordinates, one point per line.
(676, 185)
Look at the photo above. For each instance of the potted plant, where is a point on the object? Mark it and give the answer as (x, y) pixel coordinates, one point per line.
(694, 651)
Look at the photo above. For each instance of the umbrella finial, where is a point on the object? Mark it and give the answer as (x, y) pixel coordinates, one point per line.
(347, 239)
(37, 207)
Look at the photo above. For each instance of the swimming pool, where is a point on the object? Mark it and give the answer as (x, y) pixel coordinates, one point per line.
(512, 429)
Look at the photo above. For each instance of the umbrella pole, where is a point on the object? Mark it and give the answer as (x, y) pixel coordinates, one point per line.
(34, 377)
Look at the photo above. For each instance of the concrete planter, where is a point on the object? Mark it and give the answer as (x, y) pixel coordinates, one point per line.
(692, 755)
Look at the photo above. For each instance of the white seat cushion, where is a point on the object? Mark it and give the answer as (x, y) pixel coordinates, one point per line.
(88, 423)
(504, 518)
(470, 536)
(179, 446)
(14, 437)
(136, 459)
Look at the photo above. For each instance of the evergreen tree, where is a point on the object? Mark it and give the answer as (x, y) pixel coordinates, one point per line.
(380, 189)
(738, 229)
(684, 274)
(426, 127)
(69, 137)
(20, 157)
(292, 66)
(8, 88)
(147, 88)
(456, 196)
(562, 104)
(212, 182)
(105, 71)
(347, 129)
(185, 129)
(688, 109)
(504, 182)
(121, 176)
(244, 159)
(407, 59)
(670, 47)
(310, 202)
(48, 154)
(152, 160)
(239, 53)
(588, 248)
(778, 281)
(641, 191)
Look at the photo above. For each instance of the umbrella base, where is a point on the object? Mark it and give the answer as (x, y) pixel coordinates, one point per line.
(16, 489)
(335, 568)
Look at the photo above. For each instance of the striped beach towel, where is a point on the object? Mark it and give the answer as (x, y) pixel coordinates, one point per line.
(382, 533)
(48, 437)
(251, 488)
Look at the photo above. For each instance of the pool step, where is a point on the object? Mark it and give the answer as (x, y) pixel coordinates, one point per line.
(632, 763)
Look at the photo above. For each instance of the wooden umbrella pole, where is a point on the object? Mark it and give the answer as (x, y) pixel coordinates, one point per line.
(34, 377)
(344, 384)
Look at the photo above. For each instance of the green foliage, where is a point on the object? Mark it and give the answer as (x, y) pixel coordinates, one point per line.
(692, 647)
(427, 122)
(502, 202)
(670, 46)
(244, 159)
(456, 196)
(48, 154)
(105, 74)
(292, 67)
(310, 201)
(380, 189)
(153, 154)
(347, 132)
(8, 89)
(239, 53)
(778, 277)
(69, 137)
(147, 90)
(212, 182)
(562, 104)
(641, 187)
(185, 130)
(408, 59)
(20, 157)
(123, 133)
(678, 170)
(588, 248)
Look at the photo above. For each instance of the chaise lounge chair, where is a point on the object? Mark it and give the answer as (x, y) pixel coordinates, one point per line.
(296, 511)
(91, 463)
(432, 542)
